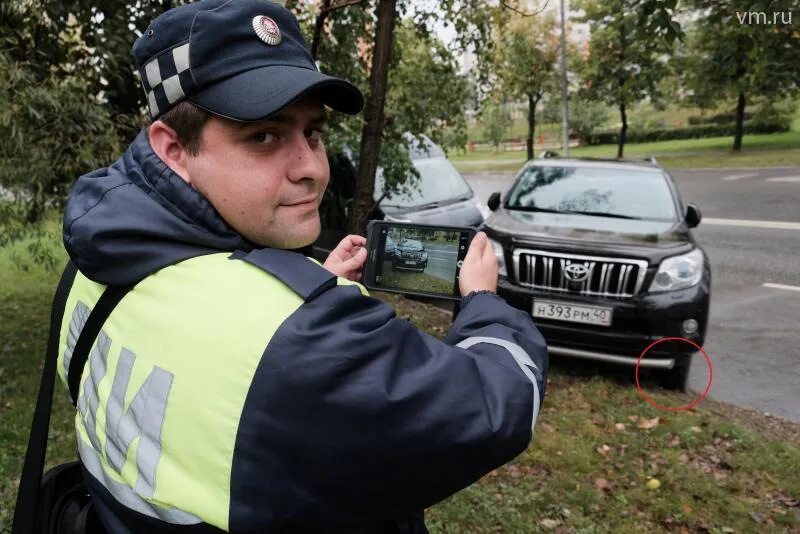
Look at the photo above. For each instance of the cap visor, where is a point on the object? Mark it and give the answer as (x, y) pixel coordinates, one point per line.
(258, 93)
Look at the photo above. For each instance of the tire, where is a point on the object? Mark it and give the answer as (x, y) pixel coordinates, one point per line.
(677, 378)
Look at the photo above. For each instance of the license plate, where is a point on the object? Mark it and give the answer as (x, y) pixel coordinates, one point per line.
(563, 311)
(410, 262)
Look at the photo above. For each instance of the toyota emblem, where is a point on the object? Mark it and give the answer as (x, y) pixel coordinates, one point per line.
(576, 272)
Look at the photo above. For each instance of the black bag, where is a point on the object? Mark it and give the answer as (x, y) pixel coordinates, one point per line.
(59, 502)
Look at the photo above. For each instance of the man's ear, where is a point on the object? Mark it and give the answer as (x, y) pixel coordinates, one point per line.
(165, 144)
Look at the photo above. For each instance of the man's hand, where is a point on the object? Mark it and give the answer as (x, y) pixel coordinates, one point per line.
(479, 270)
(348, 258)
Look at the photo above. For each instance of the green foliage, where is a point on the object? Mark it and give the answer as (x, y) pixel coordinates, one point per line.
(426, 93)
(628, 51)
(52, 131)
(728, 57)
(586, 117)
(691, 132)
(496, 120)
(625, 63)
(525, 58)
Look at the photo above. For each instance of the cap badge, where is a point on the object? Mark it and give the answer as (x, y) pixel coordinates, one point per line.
(267, 30)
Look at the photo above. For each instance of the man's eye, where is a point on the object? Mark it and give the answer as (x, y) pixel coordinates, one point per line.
(316, 134)
(264, 138)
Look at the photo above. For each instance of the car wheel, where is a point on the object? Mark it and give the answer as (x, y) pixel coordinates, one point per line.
(677, 377)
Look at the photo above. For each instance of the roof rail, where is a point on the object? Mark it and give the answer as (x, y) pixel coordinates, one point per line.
(548, 154)
(648, 159)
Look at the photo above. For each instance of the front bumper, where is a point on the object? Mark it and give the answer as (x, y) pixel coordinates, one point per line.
(637, 322)
(400, 262)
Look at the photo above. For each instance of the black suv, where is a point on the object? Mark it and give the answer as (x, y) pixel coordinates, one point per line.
(600, 253)
(410, 254)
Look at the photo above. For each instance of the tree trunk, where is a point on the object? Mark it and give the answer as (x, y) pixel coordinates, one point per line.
(318, 24)
(739, 130)
(622, 130)
(373, 116)
(531, 124)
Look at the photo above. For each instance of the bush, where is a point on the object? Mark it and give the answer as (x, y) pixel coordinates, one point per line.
(694, 132)
(719, 118)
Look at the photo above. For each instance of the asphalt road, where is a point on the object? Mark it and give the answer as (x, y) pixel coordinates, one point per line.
(751, 233)
(442, 261)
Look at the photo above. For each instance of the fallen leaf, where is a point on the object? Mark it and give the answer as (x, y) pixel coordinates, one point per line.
(727, 530)
(546, 428)
(549, 524)
(648, 423)
(674, 442)
(758, 518)
(620, 426)
(602, 484)
(598, 419)
(603, 450)
(696, 429)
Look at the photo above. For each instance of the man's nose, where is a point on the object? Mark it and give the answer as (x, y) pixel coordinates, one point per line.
(305, 162)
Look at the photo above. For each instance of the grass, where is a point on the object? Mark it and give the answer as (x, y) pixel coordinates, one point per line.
(596, 444)
(406, 279)
(763, 150)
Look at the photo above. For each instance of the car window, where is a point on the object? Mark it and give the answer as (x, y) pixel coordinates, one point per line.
(641, 194)
(410, 243)
(438, 181)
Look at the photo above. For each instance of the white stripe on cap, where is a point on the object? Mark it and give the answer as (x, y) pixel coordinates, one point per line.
(172, 88)
(180, 55)
(151, 100)
(153, 73)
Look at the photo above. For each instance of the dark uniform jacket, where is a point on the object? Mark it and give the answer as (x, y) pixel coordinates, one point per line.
(249, 390)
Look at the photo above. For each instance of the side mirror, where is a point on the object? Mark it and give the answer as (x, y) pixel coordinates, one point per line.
(693, 215)
(494, 201)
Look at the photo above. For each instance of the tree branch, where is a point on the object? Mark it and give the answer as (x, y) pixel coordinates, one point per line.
(516, 10)
(341, 4)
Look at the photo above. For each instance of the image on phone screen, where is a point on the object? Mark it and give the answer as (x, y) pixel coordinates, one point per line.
(419, 260)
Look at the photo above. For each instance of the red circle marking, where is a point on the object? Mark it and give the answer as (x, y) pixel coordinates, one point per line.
(678, 408)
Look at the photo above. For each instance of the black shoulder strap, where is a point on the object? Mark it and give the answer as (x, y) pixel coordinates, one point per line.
(303, 276)
(30, 480)
(100, 312)
(28, 494)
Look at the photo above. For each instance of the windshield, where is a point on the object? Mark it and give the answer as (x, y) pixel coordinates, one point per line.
(615, 192)
(411, 244)
(438, 181)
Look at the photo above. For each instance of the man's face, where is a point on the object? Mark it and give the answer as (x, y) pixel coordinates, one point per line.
(266, 178)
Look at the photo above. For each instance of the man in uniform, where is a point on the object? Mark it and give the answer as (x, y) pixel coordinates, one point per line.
(241, 386)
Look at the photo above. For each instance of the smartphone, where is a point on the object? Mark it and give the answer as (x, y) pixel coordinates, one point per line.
(416, 259)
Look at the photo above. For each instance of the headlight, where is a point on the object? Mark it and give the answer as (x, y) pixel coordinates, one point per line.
(424, 255)
(679, 272)
(485, 212)
(501, 259)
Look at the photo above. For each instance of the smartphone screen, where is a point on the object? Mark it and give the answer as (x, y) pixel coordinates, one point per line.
(416, 259)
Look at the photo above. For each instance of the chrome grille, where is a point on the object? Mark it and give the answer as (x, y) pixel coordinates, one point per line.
(606, 277)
